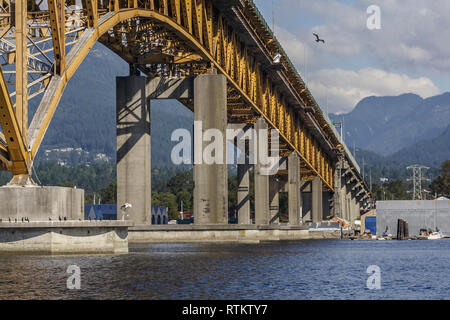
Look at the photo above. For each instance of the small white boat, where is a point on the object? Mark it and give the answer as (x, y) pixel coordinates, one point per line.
(436, 236)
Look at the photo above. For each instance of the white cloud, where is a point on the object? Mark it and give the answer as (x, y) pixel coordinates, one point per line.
(403, 57)
(411, 39)
(343, 89)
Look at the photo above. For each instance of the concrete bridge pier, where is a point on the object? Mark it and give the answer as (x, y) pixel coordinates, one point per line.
(274, 198)
(305, 193)
(243, 193)
(295, 199)
(354, 207)
(345, 204)
(348, 210)
(277, 184)
(317, 200)
(210, 179)
(337, 195)
(358, 209)
(133, 149)
(262, 210)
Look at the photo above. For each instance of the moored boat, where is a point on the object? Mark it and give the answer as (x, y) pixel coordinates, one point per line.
(436, 236)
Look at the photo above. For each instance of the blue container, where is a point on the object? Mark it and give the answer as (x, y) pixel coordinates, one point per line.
(371, 224)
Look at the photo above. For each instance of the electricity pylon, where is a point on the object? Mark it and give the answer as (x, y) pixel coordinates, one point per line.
(417, 179)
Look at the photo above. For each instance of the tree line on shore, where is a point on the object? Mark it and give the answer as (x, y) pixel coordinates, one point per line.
(172, 186)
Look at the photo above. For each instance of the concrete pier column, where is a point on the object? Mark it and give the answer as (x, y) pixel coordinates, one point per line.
(295, 201)
(317, 205)
(274, 198)
(337, 196)
(344, 202)
(349, 207)
(358, 209)
(133, 149)
(262, 212)
(306, 198)
(210, 179)
(353, 208)
(243, 194)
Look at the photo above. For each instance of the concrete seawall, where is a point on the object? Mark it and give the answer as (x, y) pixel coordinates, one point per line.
(113, 237)
(222, 233)
(68, 237)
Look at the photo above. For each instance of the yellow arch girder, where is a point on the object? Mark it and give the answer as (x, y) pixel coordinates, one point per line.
(18, 158)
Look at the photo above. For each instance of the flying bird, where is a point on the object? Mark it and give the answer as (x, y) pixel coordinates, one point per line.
(317, 38)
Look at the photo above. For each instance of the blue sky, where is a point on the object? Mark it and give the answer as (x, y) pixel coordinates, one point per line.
(408, 54)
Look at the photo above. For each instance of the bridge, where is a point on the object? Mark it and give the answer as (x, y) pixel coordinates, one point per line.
(218, 58)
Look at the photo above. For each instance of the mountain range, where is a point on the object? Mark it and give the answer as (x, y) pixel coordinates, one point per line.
(389, 131)
(386, 125)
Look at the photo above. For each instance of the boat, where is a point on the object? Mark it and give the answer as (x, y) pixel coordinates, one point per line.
(435, 236)
(385, 236)
(430, 234)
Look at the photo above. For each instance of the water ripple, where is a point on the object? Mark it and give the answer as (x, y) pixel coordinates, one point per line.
(323, 269)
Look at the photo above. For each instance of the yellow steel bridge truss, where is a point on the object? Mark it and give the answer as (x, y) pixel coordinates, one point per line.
(160, 38)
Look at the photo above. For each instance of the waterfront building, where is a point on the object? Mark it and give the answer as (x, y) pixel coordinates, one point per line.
(420, 214)
(160, 215)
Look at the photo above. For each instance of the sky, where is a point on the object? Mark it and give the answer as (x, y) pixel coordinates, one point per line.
(409, 53)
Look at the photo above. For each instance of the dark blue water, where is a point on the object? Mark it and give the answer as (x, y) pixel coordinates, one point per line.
(321, 269)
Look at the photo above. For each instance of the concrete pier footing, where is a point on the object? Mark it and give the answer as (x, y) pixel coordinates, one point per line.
(210, 179)
(50, 220)
(133, 149)
(66, 237)
(36, 203)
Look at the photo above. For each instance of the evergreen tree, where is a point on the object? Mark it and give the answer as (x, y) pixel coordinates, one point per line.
(441, 185)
